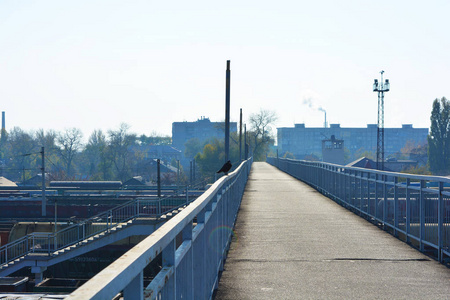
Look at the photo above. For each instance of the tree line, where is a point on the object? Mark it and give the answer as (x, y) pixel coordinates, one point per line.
(118, 154)
(112, 155)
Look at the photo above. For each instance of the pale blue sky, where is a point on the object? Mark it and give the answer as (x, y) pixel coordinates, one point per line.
(95, 64)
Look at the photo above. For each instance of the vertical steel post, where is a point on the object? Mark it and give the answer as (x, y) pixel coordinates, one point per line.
(422, 214)
(193, 170)
(245, 142)
(227, 113)
(190, 172)
(396, 208)
(408, 209)
(134, 290)
(44, 200)
(178, 174)
(158, 168)
(168, 260)
(440, 221)
(240, 136)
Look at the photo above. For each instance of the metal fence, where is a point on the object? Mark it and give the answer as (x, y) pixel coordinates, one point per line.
(51, 242)
(193, 244)
(414, 208)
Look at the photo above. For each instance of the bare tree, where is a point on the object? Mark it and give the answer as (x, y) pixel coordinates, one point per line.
(261, 131)
(120, 142)
(69, 144)
(96, 155)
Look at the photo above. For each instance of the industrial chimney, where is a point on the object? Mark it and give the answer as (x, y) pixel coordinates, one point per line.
(3, 133)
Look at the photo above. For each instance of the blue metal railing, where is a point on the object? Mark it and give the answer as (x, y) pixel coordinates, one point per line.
(50, 242)
(415, 208)
(190, 268)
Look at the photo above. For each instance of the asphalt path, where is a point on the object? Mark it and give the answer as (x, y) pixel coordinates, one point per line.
(291, 242)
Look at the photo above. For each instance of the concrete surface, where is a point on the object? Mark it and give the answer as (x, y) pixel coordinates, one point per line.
(293, 243)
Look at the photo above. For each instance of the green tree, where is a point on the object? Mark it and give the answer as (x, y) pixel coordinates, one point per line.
(439, 137)
(213, 157)
(192, 147)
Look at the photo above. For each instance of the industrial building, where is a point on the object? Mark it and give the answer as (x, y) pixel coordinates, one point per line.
(202, 129)
(302, 141)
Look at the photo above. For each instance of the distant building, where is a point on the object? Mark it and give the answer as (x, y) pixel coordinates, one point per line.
(202, 129)
(302, 141)
(333, 151)
(164, 152)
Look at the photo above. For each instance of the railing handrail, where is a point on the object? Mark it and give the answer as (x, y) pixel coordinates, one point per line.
(414, 206)
(374, 171)
(120, 273)
(54, 236)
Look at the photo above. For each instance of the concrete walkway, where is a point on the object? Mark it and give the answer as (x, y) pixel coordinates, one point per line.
(293, 243)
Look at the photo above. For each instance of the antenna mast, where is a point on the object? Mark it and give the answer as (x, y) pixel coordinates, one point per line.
(380, 88)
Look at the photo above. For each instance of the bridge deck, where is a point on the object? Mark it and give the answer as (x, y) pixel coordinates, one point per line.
(293, 243)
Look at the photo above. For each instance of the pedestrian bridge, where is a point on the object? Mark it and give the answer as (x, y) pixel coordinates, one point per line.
(321, 238)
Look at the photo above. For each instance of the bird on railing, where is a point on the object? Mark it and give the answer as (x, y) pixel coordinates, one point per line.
(225, 168)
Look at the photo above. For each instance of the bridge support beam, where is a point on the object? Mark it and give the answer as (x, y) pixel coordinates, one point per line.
(38, 274)
(134, 290)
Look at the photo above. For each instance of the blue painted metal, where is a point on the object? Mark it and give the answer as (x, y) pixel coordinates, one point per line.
(415, 208)
(51, 243)
(191, 270)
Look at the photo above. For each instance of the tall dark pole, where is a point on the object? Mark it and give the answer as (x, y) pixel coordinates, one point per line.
(44, 201)
(190, 172)
(240, 137)
(245, 142)
(227, 113)
(158, 165)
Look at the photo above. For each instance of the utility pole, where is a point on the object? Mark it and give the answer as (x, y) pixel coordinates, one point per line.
(158, 170)
(227, 113)
(245, 142)
(44, 201)
(240, 137)
(380, 88)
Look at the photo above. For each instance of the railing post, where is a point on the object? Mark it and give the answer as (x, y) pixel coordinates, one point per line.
(396, 208)
(422, 214)
(441, 214)
(187, 194)
(159, 209)
(385, 198)
(135, 288)
(55, 240)
(138, 203)
(408, 209)
(199, 258)
(168, 260)
(188, 274)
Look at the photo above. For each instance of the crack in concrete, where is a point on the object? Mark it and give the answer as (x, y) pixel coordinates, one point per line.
(330, 260)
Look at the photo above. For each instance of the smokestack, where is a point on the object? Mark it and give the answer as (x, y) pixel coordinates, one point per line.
(3, 133)
(325, 124)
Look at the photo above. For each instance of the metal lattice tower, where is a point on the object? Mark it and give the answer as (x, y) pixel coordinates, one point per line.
(380, 88)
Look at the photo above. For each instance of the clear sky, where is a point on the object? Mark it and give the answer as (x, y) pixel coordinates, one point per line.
(95, 64)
